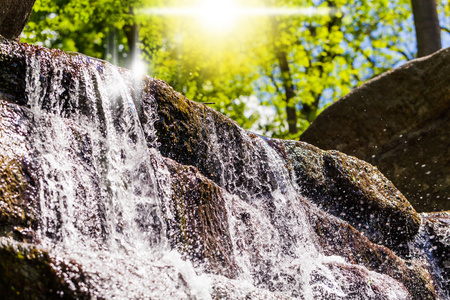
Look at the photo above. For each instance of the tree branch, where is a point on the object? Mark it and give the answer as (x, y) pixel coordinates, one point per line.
(445, 29)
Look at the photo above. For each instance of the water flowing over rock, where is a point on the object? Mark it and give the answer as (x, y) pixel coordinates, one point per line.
(399, 122)
(115, 186)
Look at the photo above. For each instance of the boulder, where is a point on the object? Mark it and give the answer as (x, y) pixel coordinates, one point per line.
(432, 244)
(28, 272)
(399, 122)
(350, 189)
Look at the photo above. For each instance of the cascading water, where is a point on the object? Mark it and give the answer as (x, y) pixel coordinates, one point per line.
(105, 192)
(99, 199)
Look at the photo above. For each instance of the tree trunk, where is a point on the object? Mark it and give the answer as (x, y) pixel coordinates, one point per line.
(132, 33)
(428, 31)
(289, 91)
(14, 16)
(288, 84)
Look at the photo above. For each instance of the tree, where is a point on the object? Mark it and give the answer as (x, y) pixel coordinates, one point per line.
(295, 65)
(83, 26)
(428, 31)
(13, 17)
(330, 53)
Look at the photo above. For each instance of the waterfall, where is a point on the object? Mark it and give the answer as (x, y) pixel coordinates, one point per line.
(104, 196)
(99, 197)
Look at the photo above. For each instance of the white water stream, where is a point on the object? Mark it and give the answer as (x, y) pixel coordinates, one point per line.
(105, 195)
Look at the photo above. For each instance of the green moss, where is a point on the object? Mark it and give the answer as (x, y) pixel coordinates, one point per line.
(27, 272)
(13, 183)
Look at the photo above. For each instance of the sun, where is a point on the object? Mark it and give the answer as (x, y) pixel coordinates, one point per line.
(223, 15)
(218, 15)
(213, 15)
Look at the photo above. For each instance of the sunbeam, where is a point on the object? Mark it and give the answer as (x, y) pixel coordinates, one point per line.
(222, 15)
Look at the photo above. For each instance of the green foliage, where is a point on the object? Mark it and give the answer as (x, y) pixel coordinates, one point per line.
(327, 54)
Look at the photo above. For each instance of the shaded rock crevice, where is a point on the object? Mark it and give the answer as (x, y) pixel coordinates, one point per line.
(28, 272)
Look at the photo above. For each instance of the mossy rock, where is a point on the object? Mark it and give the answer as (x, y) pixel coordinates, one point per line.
(200, 228)
(337, 237)
(28, 272)
(13, 183)
(354, 191)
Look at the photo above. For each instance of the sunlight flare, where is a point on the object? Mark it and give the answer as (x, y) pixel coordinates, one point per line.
(222, 15)
(218, 14)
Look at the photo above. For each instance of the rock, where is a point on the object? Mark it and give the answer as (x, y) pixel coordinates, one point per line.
(200, 227)
(250, 216)
(354, 191)
(348, 188)
(17, 185)
(432, 246)
(339, 238)
(28, 272)
(399, 122)
(370, 285)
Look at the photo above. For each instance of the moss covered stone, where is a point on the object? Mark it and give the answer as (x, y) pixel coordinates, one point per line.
(12, 186)
(339, 238)
(28, 272)
(354, 191)
(200, 228)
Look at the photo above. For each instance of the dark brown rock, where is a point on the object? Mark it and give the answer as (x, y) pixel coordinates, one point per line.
(399, 122)
(28, 272)
(200, 228)
(340, 238)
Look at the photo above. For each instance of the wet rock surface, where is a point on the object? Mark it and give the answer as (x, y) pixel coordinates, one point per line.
(399, 122)
(200, 228)
(340, 238)
(28, 272)
(437, 225)
(354, 191)
(432, 249)
(254, 217)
